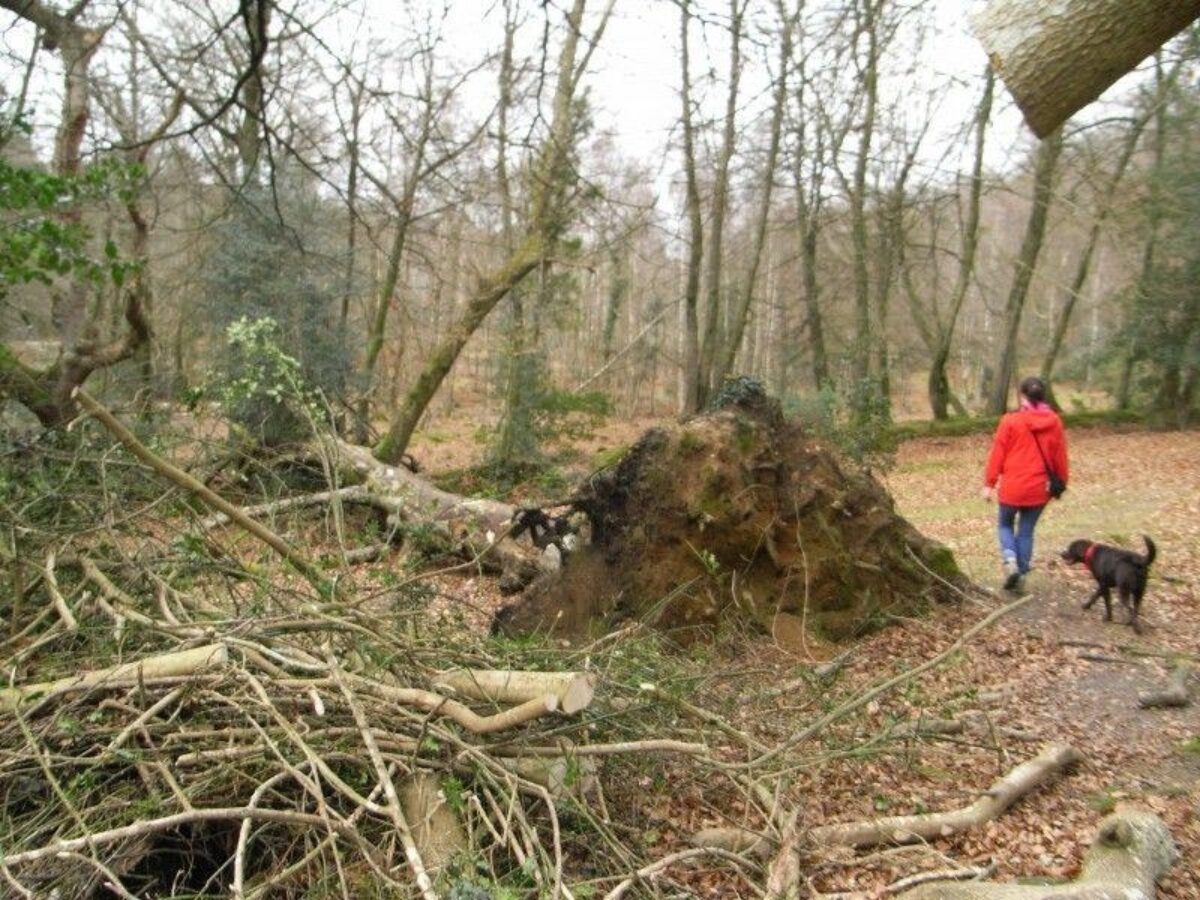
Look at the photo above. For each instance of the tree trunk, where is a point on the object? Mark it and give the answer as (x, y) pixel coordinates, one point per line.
(1154, 216)
(710, 345)
(691, 290)
(256, 17)
(404, 206)
(939, 384)
(1085, 260)
(808, 231)
(1031, 247)
(744, 296)
(48, 393)
(1055, 58)
(515, 442)
(858, 206)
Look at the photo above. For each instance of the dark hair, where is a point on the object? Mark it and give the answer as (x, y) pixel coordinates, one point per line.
(1034, 388)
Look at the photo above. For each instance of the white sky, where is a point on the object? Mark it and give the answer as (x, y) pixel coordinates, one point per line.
(634, 78)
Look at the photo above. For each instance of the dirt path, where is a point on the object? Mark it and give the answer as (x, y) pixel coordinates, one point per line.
(1123, 485)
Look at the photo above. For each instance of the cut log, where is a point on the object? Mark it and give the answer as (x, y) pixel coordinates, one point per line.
(1132, 850)
(574, 690)
(168, 665)
(561, 775)
(1175, 694)
(436, 830)
(783, 874)
(1057, 56)
(928, 826)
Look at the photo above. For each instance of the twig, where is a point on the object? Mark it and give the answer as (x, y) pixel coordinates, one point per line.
(167, 823)
(666, 862)
(971, 873)
(56, 597)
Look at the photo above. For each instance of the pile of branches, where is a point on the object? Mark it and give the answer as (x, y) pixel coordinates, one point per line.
(249, 753)
(175, 719)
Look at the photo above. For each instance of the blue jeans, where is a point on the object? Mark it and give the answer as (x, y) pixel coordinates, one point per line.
(1018, 543)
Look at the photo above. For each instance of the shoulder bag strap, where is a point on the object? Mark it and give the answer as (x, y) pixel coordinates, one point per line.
(1038, 444)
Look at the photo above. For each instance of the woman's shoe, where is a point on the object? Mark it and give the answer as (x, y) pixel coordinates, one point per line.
(1012, 574)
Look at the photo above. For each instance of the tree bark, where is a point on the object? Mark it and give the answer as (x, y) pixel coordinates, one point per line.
(1031, 247)
(1056, 57)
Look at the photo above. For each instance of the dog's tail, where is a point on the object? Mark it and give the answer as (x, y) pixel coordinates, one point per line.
(1151, 551)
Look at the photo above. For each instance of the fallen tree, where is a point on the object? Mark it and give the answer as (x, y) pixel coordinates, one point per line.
(1133, 849)
(735, 512)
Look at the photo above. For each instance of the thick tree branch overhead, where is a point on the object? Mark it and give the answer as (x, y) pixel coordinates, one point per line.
(1057, 56)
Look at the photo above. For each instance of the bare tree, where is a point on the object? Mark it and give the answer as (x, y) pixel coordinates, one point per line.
(1047, 157)
(691, 398)
(744, 293)
(940, 394)
(552, 181)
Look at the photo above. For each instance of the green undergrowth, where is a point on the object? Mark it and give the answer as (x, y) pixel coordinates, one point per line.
(960, 426)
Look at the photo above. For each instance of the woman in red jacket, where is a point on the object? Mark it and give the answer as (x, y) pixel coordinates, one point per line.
(1026, 443)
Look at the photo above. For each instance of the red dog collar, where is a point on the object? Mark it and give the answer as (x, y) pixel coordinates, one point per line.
(1088, 554)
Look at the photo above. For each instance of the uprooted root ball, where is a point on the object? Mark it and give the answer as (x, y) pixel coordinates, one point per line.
(737, 512)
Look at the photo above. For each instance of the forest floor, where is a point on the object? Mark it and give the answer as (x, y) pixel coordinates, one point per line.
(1029, 676)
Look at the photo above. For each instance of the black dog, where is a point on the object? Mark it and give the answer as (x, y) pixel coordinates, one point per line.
(1113, 567)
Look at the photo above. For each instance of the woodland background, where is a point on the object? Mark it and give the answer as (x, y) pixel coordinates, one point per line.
(829, 215)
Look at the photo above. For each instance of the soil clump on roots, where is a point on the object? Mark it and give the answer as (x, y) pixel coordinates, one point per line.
(736, 512)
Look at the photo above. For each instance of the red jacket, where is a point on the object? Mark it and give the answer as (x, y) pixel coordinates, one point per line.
(1014, 459)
